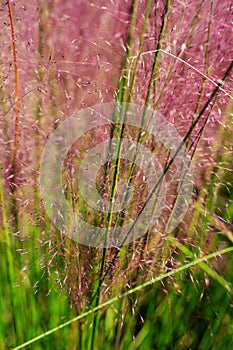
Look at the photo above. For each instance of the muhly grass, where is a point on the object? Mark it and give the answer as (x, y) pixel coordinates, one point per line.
(165, 290)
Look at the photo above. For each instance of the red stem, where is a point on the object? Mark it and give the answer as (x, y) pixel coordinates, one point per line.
(16, 132)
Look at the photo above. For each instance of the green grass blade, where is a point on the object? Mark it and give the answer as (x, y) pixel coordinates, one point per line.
(129, 292)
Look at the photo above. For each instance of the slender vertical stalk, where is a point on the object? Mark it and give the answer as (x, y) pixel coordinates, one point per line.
(16, 126)
(131, 78)
(16, 70)
(153, 73)
(122, 96)
(156, 56)
(147, 101)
